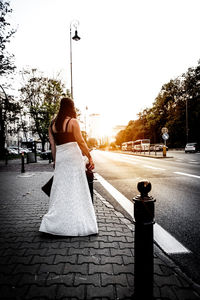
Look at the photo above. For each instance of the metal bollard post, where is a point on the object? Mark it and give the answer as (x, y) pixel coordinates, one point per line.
(22, 165)
(6, 159)
(144, 221)
(164, 151)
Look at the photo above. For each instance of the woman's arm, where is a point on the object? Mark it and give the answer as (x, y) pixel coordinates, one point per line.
(81, 142)
(53, 144)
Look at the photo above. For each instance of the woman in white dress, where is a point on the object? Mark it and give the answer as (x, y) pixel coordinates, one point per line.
(71, 212)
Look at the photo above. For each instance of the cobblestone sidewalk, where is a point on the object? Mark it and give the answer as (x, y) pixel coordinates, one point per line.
(39, 266)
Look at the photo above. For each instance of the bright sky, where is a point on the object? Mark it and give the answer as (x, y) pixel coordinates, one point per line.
(128, 48)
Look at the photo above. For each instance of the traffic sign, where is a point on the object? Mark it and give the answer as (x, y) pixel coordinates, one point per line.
(164, 130)
(165, 136)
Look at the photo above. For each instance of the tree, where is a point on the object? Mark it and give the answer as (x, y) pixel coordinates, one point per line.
(6, 59)
(191, 95)
(120, 137)
(92, 142)
(8, 107)
(169, 110)
(41, 96)
(8, 114)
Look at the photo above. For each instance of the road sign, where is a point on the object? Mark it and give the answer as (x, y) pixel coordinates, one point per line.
(164, 130)
(165, 136)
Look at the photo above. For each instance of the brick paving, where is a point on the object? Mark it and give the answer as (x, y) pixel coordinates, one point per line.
(34, 265)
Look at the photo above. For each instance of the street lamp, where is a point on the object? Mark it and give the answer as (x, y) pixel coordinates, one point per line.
(186, 114)
(75, 25)
(186, 118)
(3, 120)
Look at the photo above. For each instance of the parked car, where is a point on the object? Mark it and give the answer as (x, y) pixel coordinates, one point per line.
(160, 147)
(157, 147)
(191, 147)
(25, 150)
(12, 151)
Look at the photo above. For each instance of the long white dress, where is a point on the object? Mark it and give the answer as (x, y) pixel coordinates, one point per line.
(71, 212)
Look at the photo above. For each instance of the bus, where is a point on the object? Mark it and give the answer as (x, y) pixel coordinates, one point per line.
(141, 145)
(124, 146)
(136, 146)
(127, 146)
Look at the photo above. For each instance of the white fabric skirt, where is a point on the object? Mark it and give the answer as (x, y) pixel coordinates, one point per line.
(71, 211)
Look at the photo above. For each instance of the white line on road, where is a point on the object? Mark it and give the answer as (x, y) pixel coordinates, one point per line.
(123, 201)
(129, 161)
(167, 242)
(155, 168)
(164, 239)
(135, 161)
(186, 174)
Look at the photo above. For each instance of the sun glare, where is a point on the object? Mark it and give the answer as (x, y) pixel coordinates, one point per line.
(106, 128)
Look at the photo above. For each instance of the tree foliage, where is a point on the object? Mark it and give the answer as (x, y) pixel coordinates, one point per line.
(6, 59)
(169, 110)
(40, 96)
(92, 142)
(9, 108)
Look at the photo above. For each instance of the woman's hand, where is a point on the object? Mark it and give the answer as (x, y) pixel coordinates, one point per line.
(90, 165)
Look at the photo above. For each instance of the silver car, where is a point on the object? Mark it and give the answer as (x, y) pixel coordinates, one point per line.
(191, 147)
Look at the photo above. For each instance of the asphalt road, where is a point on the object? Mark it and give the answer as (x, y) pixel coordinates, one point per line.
(176, 187)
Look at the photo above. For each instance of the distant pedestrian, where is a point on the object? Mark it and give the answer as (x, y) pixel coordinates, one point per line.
(71, 212)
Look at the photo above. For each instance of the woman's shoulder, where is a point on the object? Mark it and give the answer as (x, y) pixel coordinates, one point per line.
(74, 121)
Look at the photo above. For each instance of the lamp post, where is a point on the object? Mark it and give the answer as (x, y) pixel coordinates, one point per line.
(75, 25)
(186, 114)
(186, 118)
(3, 121)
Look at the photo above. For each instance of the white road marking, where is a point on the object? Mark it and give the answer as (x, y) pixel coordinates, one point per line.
(129, 161)
(121, 157)
(186, 174)
(167, 242)
(164, 239)
(155, 168)
(135, 161)
(123, 201)
(136, 158)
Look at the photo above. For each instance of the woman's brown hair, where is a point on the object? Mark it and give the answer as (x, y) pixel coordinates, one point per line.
(67, 109)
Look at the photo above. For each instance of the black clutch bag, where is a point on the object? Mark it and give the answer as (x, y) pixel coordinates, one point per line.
(47, 187)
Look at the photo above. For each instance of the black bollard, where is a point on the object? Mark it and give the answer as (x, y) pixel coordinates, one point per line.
(22, 163)
(144, 221)
(6, 158)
